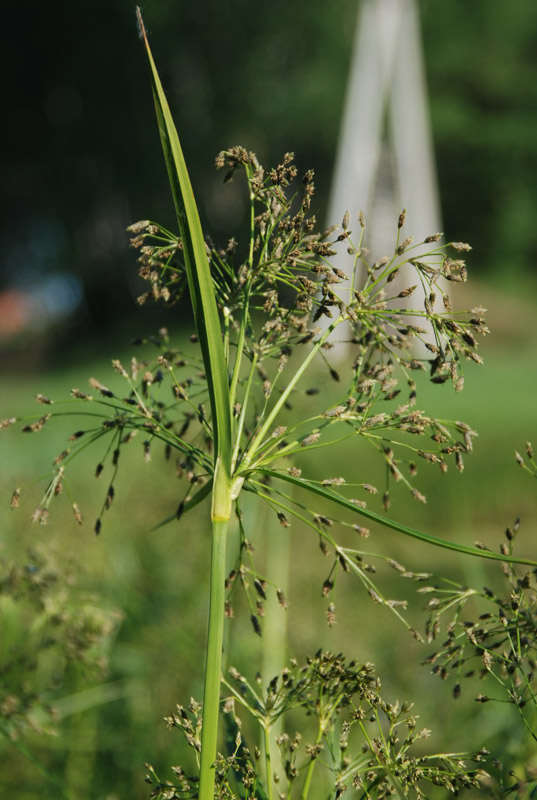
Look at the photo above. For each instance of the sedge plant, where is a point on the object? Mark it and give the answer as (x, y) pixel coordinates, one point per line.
(263, 318)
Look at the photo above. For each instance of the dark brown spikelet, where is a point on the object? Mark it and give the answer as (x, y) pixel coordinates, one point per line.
(109, 496)
(46, 401)
(284, 522)
(260, 589)
(97, 528)
(99, 468)
(282, 600)
(255, 624)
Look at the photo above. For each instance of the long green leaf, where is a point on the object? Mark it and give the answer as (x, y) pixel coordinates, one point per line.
(389, 523)
(199, 280)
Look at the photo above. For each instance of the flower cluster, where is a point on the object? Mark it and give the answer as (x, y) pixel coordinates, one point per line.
(354, 739)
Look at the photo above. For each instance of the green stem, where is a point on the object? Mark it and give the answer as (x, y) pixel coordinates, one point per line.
(242, 416)
(311, 766)
(240, 347)
(268, 762)
(213, 664)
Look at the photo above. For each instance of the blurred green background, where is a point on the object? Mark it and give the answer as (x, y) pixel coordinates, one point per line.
(81, 161)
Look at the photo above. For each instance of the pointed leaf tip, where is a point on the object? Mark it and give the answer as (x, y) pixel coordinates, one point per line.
(140, 24)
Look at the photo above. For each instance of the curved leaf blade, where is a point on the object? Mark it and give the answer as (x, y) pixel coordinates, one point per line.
(327, 494)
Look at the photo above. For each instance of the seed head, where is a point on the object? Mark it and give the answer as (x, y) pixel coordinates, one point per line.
(139, 227)
(119, 368)
(255, 624)
(404, 245)
(104, 390)
(279, 431)
(40, 515)
(310, 439)
(418, 496)
(5, 423)
(81, 395)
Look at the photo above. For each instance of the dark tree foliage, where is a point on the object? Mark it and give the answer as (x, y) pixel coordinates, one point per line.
(80, 147)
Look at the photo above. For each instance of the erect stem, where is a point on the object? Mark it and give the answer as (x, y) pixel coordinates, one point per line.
(268, 762)
(311, 765)
(213, 661)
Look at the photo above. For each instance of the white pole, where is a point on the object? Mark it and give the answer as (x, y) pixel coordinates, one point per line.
(386, 78)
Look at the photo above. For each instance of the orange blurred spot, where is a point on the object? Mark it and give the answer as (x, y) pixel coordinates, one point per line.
(15, 312)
